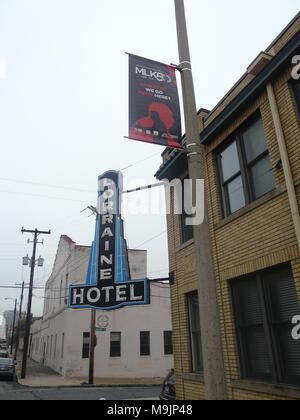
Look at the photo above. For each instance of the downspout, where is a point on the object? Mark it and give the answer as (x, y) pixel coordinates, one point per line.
(285, 162)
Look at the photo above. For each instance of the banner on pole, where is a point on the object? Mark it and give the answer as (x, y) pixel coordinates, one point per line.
(154, 110)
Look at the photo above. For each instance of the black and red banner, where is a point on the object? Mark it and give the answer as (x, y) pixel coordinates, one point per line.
(154, 110)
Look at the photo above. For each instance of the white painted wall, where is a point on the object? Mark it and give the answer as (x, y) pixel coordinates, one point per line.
(2, 328)
(57, 340)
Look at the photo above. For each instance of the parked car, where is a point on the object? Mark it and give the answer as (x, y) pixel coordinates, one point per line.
(168, 390)
(4, 354)
(3, 346)
(7, 369)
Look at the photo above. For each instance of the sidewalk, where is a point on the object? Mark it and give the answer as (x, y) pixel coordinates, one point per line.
(43, 377)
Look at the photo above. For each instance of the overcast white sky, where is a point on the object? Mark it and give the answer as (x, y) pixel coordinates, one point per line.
(63, 107)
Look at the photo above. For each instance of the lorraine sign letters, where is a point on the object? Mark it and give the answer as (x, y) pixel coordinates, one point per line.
(108, 283)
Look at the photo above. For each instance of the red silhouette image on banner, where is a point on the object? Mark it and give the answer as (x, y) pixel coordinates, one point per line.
(155, 128)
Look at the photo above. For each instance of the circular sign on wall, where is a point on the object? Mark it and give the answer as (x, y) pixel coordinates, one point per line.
(102, 321)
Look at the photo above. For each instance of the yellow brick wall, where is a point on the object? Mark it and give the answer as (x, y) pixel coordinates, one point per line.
(184, 266)
(252, 396)
(261, 238)
(248, 78)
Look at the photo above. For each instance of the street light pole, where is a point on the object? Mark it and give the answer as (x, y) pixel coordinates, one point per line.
(92, 347)
(214, 375)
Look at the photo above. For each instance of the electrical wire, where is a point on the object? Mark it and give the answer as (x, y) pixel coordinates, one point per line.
(140, 161)
(65, 188)
(43, 196)
(151, 239)
(38, 184)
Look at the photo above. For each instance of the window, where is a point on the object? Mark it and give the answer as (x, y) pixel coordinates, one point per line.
(187, 232)
(145, 343)
(296, 90)
(264, 305)
(86, 345)
(62, 345)
(51, 345)
(60, 291)
(115, 344)
(66, 288)
(244, 168)
(55, 346)
(195, 332)
(168, 343)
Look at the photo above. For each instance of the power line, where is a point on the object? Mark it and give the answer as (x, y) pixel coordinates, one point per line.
(66, 188)
(43, 196)
(38, 184)
(140, 161)
(19, 287)
(151, 239)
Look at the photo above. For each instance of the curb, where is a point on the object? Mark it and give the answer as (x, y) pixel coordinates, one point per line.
(89, 386)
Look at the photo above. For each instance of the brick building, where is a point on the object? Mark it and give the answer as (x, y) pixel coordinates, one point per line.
(251, 151)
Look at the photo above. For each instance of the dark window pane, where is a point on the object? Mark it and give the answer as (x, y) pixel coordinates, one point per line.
(195, 318)
(296, 89)
(197, 354)
(283, 294)
(262, 177)
(236, 195)
(284, 306)
(230, 162)
(86, 345)
(290, 355)
(168, 342)
(254, 141)
(258, 358)
(145, 343)
(187, 231)
(250, 311)
(195, 333)
(255, 357)
(115, 344)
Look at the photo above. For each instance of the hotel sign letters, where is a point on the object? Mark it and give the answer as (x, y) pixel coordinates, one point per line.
(108, 292)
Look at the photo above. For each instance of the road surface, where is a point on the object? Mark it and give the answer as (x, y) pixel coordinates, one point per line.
(11, 392)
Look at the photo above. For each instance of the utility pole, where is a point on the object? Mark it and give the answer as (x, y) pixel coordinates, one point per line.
(36, 233)
(214, 374)
(19, 322)
(92, 347)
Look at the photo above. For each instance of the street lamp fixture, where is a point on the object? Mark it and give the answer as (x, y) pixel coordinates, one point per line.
(26, 260)
(40, 262)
